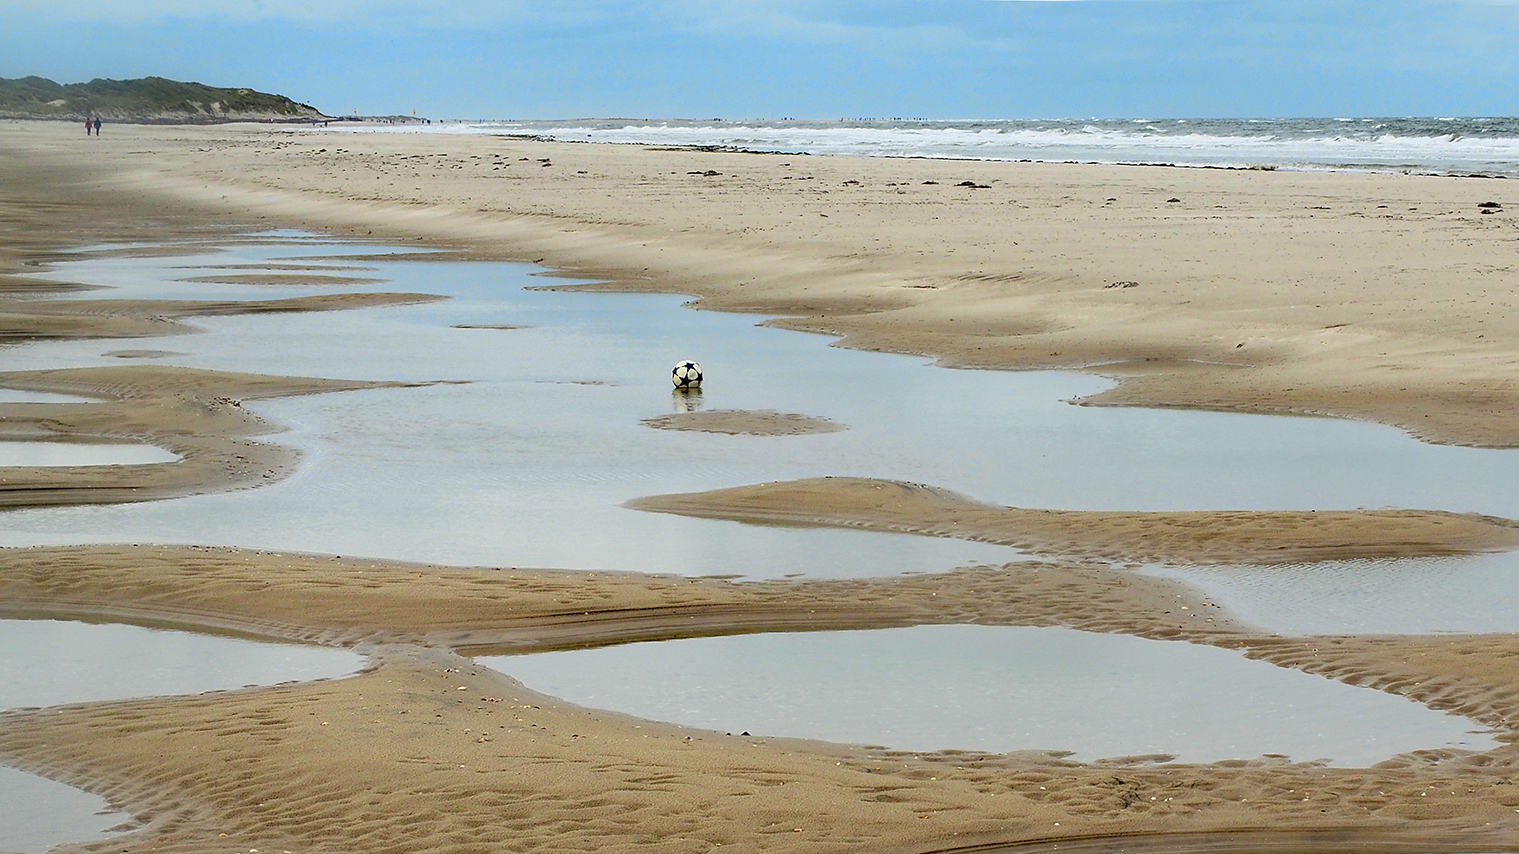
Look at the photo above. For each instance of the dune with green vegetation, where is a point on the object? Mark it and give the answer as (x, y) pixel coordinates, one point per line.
(149, 100)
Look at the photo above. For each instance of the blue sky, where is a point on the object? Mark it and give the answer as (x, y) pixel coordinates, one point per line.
(818, 59)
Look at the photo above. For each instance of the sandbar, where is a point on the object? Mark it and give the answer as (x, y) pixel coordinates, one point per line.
(283, 280)
(149, 404)
(1203, 537)
(745, 422)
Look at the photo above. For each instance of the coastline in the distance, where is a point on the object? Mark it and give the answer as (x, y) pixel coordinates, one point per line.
(1485, 146)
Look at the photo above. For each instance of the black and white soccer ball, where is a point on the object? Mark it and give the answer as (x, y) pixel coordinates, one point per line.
(686, 375)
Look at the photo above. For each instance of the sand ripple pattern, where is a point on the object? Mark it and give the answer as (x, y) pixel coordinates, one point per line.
(1202, 537)
(425, 752)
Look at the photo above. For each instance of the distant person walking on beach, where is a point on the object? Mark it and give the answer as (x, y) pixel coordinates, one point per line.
(86, 125)
(97, 125)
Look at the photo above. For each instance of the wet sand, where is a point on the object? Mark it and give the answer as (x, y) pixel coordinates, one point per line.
(426, 752)
(1203, 537)
(105, 318)
(1016, 275)
(195, 414)
(742, 422)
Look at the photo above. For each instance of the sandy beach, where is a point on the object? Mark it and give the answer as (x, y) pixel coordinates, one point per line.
(1380, 297)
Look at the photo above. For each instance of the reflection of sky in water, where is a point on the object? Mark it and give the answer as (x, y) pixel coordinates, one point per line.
(11, 395)
(996, 689)
(528, 463)
(37, 813)
(80, 454)
(1410, 596)
(49, 662)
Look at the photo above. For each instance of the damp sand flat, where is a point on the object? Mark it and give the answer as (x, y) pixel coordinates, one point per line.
(996, 689)
(50, 662)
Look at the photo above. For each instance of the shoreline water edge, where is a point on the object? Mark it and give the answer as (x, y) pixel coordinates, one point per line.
(1428, 146)
(1383, 297)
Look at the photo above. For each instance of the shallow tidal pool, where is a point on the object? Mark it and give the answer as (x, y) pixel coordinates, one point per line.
(54, 454)
(53, 662)
(525, 456)
(996, 689)
(37, 813)
(1466, 594)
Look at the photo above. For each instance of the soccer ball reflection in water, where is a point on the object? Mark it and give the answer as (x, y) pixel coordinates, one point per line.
(686, 375)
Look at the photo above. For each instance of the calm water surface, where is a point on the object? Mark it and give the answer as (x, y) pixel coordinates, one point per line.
(51, 662)
(1412, 596)
(11, 395)
(996, 689)
(528, 462)
(50, 454)
(37, 813)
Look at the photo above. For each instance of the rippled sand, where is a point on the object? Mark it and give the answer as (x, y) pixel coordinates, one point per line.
(1264, 292)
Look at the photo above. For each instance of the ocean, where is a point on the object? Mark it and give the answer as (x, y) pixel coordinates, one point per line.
(1448, 146)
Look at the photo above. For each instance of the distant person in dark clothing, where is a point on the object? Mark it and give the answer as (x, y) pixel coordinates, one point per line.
(97, 125)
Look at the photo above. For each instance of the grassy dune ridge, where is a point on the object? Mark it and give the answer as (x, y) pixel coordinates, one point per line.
(148, 99)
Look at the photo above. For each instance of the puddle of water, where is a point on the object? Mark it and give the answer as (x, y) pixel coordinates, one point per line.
(37, 813)
(526, 465)
(996, 689)
(1472, 594)
(51, 662)
(544, 443)
(159, 277)
(49, 454)
(1003, 436)
(15, 395)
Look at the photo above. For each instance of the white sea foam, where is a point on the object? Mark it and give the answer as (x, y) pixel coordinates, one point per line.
(1447, 145)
